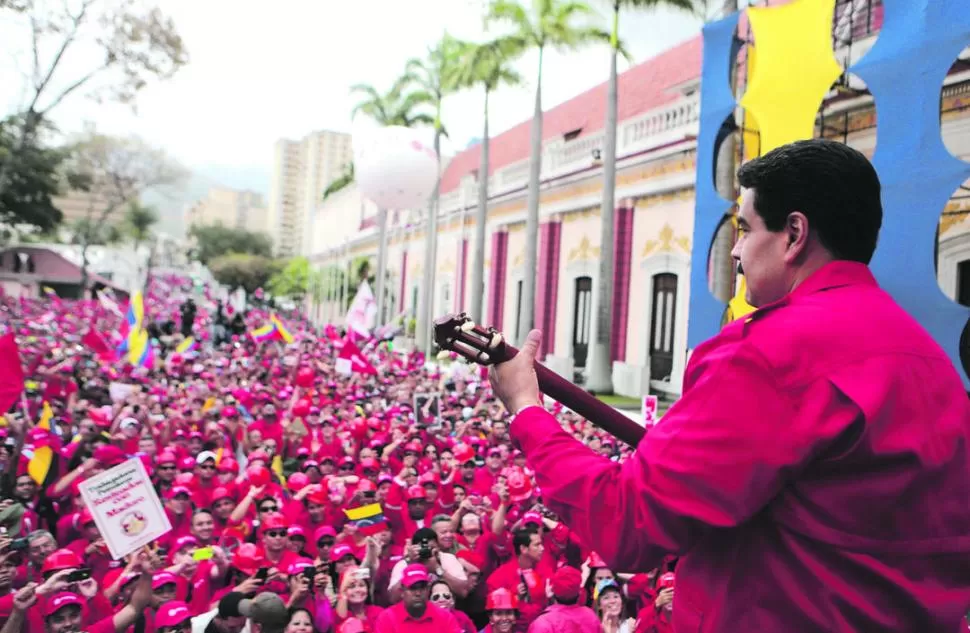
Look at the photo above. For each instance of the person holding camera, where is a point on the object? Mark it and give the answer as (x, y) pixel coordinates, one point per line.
(423, 549)
(306, 593)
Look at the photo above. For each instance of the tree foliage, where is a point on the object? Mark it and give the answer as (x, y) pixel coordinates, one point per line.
(217, 240)
(293, 280)
(34, 180)
(240, 270)
(401, 105)
(138, 222)
(342, 182)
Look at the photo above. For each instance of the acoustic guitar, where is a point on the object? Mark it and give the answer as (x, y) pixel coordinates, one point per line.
(487, 346)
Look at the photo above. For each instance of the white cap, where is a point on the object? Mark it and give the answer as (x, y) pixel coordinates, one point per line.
(205, 456)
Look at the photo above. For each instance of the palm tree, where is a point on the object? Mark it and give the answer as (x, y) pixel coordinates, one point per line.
(485, 65)
(400, 106)
(551, 24)
(600, 372)
(139, 221)
(435, 78)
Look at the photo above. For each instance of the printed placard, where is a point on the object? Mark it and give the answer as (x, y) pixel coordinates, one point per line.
(648, 410)
(125, 507)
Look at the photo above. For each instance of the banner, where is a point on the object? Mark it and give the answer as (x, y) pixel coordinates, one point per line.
(363, 311)
(125, 507)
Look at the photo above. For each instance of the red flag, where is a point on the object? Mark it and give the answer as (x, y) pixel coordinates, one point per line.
(11, 372)
(350, 360)
(96, 343)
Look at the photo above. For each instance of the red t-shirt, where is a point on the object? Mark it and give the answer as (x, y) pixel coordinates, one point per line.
(435, 620)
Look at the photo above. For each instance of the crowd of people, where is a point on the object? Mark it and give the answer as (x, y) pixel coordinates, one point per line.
(301, 498)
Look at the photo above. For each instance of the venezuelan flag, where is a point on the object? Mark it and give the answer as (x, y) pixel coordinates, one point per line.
(188, 345)
(134, 317)
(369, 519)
(282, 331)
(138, 347)
(264, 333)
(40, 453)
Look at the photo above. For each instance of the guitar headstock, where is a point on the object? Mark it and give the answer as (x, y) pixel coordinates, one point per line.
(458, 333)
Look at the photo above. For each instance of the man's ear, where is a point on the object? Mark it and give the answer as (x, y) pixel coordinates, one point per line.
(797, 229)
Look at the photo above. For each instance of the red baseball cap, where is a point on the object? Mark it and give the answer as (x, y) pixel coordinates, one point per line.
(172, 613)
(60, 600)
(341, 551)
(413, 574)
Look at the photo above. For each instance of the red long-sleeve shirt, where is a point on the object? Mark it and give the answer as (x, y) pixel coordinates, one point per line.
(814, 476)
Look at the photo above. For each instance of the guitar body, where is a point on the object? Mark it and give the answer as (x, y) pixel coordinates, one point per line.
(486, 346)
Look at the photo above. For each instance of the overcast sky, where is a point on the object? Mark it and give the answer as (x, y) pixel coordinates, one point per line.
(260, 71)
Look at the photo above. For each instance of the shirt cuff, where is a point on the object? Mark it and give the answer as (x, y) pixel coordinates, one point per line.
(525, 408)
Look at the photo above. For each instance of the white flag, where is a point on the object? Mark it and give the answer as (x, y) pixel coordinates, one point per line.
(363, 311)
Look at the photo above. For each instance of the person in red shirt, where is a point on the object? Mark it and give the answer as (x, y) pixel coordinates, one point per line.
(414, 614)
(810, 440)
(272, 532)
(519, 575)
(503, 612)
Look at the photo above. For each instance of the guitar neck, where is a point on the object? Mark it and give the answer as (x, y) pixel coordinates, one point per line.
(583, 403)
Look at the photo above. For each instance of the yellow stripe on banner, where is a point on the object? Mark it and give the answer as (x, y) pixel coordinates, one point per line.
(40, 464)
(211, 402)
(45, 417)
(356, 514)
(277, 465)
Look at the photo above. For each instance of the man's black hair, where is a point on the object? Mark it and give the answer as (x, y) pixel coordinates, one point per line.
(833, 185)
(522, 537)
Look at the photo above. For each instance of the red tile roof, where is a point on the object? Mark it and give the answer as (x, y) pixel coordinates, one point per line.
(642, 88)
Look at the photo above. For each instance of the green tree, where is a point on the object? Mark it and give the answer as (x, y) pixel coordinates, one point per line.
(240, 270)
(293, 280)
(217, 240)
(436, 77)
(342, 182)
(35, 179)
(138, 222)
(487, 65)
(110, 49)
(398, 106)
(601, 362)
(550, 24)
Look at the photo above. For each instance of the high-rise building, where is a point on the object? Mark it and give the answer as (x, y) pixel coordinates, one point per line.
(78, 205)
(302, 170)
(230, 207)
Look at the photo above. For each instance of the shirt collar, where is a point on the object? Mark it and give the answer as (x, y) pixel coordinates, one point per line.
(832, 275)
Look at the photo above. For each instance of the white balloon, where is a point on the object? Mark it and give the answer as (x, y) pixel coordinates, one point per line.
(395, 167)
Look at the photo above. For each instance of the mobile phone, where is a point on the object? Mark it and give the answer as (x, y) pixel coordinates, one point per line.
(310, 573)
(78, 575)
(262, 574)
(203, 553)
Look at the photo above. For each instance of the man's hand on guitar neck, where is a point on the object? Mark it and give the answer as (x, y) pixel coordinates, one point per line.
(514, 381)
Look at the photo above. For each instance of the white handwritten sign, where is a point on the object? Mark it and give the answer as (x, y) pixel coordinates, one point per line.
(125, 507)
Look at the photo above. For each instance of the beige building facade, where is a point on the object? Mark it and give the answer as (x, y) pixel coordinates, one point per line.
(302, 170)
(230, 207)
